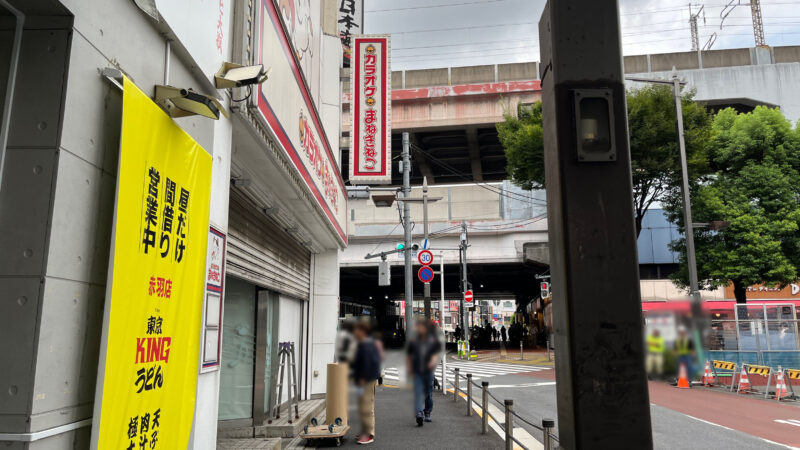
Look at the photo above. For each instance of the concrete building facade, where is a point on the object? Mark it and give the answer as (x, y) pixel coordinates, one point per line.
(284, 229)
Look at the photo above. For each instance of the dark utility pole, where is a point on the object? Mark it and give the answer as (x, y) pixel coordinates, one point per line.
(464, 282)
(601, 383)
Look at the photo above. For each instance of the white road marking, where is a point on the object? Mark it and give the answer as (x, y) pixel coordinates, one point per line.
(731, 429)
(794, 422)
(544, 383)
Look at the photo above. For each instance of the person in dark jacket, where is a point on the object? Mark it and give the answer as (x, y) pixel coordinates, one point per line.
(503, 334)
(423, 355)
(366, 370)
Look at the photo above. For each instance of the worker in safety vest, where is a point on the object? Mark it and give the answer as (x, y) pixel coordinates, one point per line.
(655, 354)
(684, 351)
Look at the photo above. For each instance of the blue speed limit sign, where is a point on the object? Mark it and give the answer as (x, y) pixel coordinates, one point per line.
(425, 274)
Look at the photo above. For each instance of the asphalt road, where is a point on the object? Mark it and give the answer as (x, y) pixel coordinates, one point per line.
(682, 419)
(671, 429)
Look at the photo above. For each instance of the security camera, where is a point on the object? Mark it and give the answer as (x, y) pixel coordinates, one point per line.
(232, 75)
(182, 102)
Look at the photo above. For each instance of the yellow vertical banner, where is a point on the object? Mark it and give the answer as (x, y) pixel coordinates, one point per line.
(149, 366)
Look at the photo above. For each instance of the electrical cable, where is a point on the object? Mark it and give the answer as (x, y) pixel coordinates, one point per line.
(510, 195)
(445, 5)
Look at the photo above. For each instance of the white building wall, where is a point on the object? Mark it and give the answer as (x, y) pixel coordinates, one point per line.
(324, 317)
(109, 33)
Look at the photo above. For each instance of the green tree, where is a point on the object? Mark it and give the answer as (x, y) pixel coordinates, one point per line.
(755, 186)
(655, 160)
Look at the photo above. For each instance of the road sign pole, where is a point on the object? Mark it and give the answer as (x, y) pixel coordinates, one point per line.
(427, 286)
(407, 229)
(441, 324)
(463, 257)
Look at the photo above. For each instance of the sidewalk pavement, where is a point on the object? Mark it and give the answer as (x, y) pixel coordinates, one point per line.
(396, 428)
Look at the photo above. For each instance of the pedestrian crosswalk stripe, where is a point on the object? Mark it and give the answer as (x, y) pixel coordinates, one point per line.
(479, 370)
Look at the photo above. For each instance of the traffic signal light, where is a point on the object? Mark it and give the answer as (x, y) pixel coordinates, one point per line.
(401, 246)
(545, 287)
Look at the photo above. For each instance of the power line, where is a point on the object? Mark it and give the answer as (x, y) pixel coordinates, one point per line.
(510, 195)
(446, 5)
(436, 30)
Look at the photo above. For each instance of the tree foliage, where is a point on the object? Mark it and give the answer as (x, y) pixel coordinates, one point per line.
(655, 160)
(523, 140)
(755, 185)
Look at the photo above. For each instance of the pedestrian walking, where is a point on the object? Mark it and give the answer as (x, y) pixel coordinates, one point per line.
(655, 354)
(423, 355)
(366, 370)
(503, 334)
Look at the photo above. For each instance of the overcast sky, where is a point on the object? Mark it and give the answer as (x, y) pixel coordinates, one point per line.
(441, 33)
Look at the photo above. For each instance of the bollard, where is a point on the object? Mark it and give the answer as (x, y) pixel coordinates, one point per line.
(547, 428)
(521, 354)
(548, 349)
(485, 407)
(509, 425)
(455, 386)
(469, 394)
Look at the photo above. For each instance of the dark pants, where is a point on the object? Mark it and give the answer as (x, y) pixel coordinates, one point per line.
(423, 392)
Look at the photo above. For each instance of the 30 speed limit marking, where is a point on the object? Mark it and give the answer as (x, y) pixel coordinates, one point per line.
(425, 257)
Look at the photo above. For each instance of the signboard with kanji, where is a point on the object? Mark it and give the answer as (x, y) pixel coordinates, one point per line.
(350, 22)
(149, 359)
(371, 110)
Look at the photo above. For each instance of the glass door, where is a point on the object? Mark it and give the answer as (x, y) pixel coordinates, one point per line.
(238, 351)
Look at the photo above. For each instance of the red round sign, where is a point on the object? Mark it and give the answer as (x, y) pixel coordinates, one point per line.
(425, 257)
(425, 274)
(468, 296)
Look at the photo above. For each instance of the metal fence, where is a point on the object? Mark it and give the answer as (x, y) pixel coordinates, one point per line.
(765, 334)
(549, 439)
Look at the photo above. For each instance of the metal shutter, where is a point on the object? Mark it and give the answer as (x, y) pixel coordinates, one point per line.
(261, 252)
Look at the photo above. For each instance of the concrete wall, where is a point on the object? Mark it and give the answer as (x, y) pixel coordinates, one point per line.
(735, 57)
(774, 84)
(56, 211)
(666, 290)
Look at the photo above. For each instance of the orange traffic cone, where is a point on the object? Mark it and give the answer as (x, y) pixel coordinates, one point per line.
(780, 386)
(683, 377)
(744, 382)
(708, 376)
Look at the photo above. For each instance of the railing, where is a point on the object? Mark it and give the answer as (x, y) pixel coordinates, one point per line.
(549, 440)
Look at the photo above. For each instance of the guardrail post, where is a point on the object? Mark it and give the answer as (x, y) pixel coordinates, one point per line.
(509, 425)
(521, 354)
(455, 386)
(547, 428)
(485, 407)
(469, 394)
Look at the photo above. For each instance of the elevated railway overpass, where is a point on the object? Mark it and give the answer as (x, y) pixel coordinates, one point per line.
(451, 114)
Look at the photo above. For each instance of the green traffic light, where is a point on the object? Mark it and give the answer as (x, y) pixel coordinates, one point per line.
(401, 246)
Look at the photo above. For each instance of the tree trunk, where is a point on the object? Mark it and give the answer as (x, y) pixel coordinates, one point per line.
(637, 218)
(740, 292)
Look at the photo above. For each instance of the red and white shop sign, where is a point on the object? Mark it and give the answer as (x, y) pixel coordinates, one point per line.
(371, 78)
